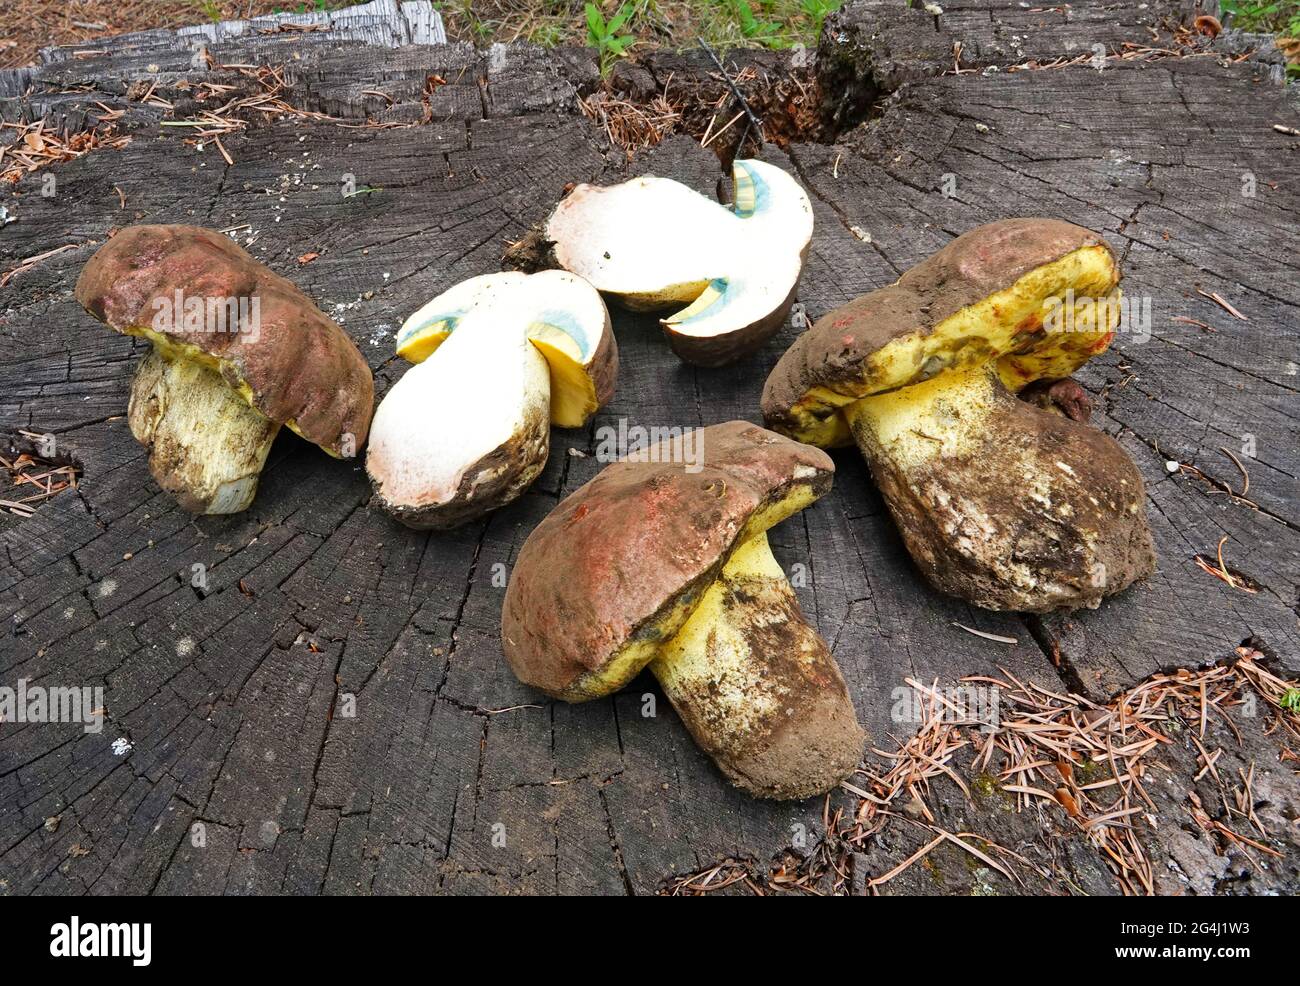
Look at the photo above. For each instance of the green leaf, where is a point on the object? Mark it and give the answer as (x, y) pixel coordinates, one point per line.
(745, 15)
(619, 19)
(595, 24)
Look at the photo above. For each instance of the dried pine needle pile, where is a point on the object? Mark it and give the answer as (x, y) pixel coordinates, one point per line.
(33, 480)
(1050, 752)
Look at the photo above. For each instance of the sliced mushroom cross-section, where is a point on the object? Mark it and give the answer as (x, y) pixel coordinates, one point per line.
(652, 243)
(500, 358)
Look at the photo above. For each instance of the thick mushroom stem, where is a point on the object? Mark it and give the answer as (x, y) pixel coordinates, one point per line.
(757, 687)
(1000, 502)
(464, 433)
(206, 444)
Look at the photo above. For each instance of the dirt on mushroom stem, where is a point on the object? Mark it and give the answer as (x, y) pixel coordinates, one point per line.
(757, 687)
(206, 445)
(1004, 504)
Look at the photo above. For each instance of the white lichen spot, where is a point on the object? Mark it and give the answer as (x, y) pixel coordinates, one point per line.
(270, 831)
(107, 588)
(70, 612)
(121, 746)
(185, 647)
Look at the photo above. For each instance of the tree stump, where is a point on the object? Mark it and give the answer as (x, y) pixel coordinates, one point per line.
(326, 710)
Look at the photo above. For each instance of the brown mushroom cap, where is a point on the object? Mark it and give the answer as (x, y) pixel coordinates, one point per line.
(615, 570)
(296, 366)
(891, 337)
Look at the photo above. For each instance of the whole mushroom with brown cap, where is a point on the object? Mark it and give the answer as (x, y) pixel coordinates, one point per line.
(651, 564)
(237, 352)
(1000, 502)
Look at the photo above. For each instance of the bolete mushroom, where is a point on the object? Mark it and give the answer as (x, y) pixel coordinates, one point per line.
(652, 243)
(499, 358)
(652, 564)
(1000, 502)
(237, 352)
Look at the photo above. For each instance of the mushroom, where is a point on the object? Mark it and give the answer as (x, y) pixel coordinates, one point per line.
(652, 243)
(499, 358)
(652, 564)
(237, 352)
(1000, 502)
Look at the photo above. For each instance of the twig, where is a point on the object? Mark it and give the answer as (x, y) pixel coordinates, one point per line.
(31, 262)
(987, 636)
(1218, 300)
(1245, 476)
(727, 126)
(923, 851)
(753, 123)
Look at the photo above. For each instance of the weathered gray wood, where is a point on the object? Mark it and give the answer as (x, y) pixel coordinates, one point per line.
(383, 23)
(231, 697)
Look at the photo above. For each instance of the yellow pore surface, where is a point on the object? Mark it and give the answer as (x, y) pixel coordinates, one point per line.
(1006, 329)
(656, 636)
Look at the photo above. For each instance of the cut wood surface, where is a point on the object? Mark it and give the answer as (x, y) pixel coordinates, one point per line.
(328, 709)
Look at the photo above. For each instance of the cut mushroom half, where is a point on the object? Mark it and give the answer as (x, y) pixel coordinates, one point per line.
(1002, 502)
(499, 359)
(652, 243)
(238, 352)
(652, 565)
